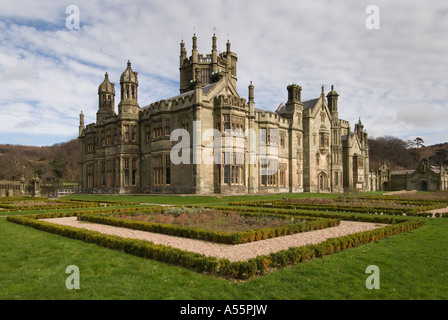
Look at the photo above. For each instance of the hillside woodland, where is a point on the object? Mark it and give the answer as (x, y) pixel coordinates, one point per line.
(60, 161)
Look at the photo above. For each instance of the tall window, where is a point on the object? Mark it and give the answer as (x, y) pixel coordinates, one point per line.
(282, 139)
(133, 133)
(268, 176)
(148, 133)
(282, 177)
(134, 172)
(167, 170)
(167, 127)
(126, 133)
(103, 173)
(90, 176)
(126, 171)
(161, 169)
(233, 169)
(157, 169)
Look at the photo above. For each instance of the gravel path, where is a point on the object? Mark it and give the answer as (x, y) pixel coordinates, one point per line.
(232, 252)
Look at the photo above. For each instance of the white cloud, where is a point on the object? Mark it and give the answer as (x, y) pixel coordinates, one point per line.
(386, 77)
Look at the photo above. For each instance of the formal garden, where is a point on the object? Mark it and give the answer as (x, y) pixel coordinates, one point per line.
(225, 247)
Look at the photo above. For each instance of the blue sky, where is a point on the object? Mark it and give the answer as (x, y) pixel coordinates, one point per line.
(393, 78)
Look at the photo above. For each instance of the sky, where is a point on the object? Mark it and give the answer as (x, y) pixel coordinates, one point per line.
(389, 65)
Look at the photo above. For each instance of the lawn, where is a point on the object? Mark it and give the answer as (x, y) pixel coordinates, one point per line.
(32, 266)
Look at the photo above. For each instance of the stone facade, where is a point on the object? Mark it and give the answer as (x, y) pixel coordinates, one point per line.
(23, 187)
(308, 148)
(423, 178)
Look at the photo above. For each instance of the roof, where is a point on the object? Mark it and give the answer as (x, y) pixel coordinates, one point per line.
(308, 104)
(205, 90)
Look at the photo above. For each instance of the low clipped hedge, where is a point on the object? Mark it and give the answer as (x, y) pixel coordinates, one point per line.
(9, 206)
(314, 214)
(263, 263)
(215, 236)
(411, 211)
(211, 265)
(141, 248)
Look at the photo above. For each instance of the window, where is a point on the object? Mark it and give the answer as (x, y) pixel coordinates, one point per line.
(148, 133)
(282, 178)
(184, 123)
(269, 177)
(167, 170)
(322, 116)
(157, 169)
(233, 169)
(115, 136)
(126, 171)
(324, 139)
(133, 133)
(126, 133)
(134, 172)
(103, 173)
(282, 139)
(90, 176)
(161, 168)
(109, 167)
(205, 76)
(157, 130)
(167, 127)
(226, 121)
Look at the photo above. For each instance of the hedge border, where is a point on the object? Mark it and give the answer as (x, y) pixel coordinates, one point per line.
(216, 236)
(278, 204)
(212, 265)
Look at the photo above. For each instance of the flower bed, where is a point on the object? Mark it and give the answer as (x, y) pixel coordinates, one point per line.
(40, 203)
(408, 210)
(221, 267)
(284, 225)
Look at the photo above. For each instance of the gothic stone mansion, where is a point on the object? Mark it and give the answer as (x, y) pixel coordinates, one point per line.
(131, 151)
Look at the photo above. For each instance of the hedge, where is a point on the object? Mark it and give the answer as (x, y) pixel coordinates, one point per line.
(313, 214)
(412, 211)
(261, 264)
(222, 267)
(215, 236)
(9, 206)
(145, 249)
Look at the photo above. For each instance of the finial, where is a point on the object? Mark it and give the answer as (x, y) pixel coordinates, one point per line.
(323, 89)
(129, 63)
(332, 87)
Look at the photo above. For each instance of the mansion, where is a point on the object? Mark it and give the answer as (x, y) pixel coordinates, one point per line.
(301, 147)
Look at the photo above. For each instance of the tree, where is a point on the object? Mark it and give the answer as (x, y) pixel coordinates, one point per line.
(419, 142)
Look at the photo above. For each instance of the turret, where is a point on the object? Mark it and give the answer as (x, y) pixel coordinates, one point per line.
(214, 55)
(106, 99)
(129, 84)
(251, 100)
(332, 100)
(294, 103)
(81, 123)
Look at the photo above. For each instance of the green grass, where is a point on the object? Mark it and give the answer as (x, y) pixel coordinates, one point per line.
(413, 265)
